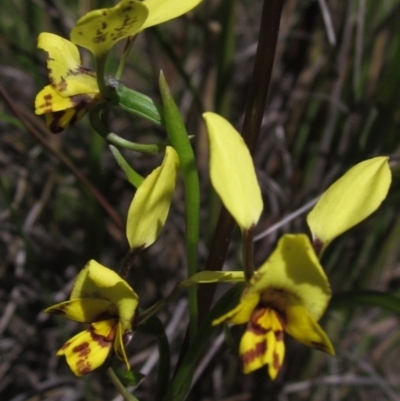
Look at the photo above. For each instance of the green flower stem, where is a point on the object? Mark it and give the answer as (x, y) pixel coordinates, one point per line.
(151, 149)
(180, 141)
(128, 45)
(96, 116)
(100, 76)
(119, 386)
(133, 177)
(248, 254)
(268, 36)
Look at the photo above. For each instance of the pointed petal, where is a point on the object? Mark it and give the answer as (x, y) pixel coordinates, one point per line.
(149, 209)
(262, 343)
(350, 199)
(48, 100)
(61, 112)
(161, 11)
(294, 270)
(84, 310)
(66, 74)
(97, 281)
(61, 120)
(303, 328)
(89, 349)
(119, 347)
(99, 30)
(232, 172)
(242, 312)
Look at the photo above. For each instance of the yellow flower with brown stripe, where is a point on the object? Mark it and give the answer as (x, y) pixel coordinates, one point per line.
(73, 89)
(106, 301)
(288, 293)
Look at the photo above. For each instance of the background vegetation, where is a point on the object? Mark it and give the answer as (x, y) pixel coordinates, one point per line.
(334, 100)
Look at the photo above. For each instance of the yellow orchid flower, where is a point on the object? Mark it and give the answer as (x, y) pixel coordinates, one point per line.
(99, 30)
(106, 301)
(232, 172)
(73, 89)
(149, 208)
(288, 293)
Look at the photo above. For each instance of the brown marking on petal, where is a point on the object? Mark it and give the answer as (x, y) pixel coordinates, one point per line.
(62, 85)
(82, 350)
(275, 362)
(249, 356)
(103, 25)
(317, 245)
(279, 335)
(61, 309)
(319, 346)
(101, 340)
(83, 366)
(127, 8)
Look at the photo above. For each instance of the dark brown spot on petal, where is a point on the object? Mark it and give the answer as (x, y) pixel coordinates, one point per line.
(320, 346)
(103, 25)
(275, 362)
(83, 366)
(249, 356)
(317, 245)
(82, 349)
(279, 335)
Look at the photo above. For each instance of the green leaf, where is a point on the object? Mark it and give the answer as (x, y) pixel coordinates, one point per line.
(384, 300)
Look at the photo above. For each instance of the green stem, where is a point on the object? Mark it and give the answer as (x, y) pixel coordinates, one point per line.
(180, 141)
(120, 387)
(100, 76)
(128, 45)
(151, 149)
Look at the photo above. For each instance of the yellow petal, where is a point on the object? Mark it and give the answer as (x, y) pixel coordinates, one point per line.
(66, 74)
(242, 312)
(61, 120)
(302, 327)
(48, 100)
(89, 349)
(262, 343)
(161, 11)
(119, 346)
(62, 112)
(97, 281)
(149, 209)
(350, 199)
(232, 172)
(99, 30)
(294, 271)
(84, 310)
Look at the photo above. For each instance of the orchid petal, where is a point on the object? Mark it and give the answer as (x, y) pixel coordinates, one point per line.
(98, 281)
(242, 312)
(161, 11)
(262, 343)
(294, 270)
(66, 74)
(350, 199)
(99, 30)
(149, 209)
(232, 172)
(89, 349)
(303, 328)
(84, 310)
